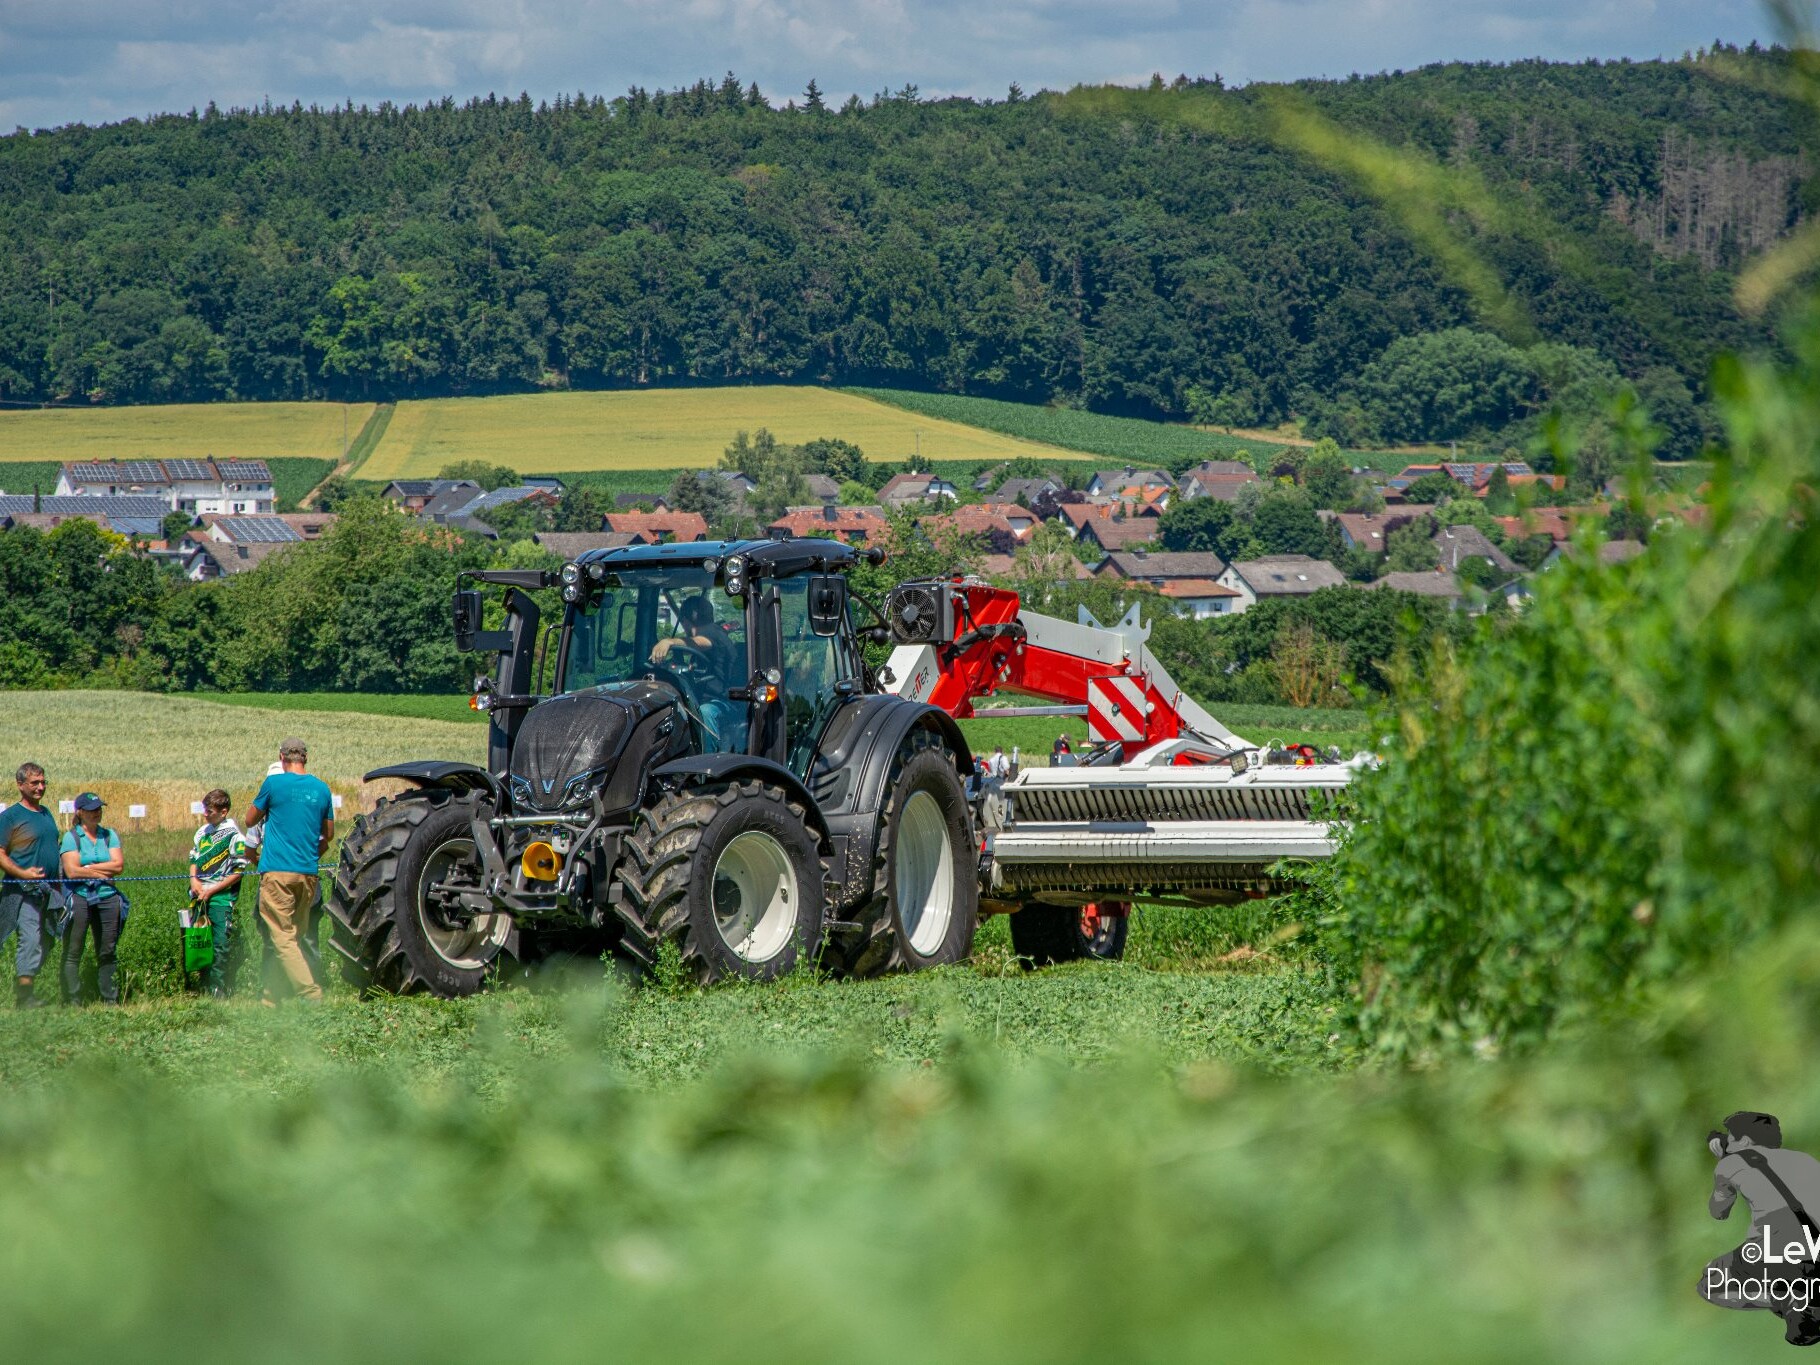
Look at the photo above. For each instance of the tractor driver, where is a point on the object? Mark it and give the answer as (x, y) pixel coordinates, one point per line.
(701, 645)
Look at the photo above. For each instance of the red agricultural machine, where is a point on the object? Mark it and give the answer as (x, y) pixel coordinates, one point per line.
(712, 764)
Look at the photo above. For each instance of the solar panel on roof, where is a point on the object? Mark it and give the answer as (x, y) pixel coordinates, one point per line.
(142, 471)
(188, 469)
(245, 471)
(250, 530)
(90, 471)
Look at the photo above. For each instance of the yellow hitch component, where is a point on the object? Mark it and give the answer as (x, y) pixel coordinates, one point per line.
(541, 862)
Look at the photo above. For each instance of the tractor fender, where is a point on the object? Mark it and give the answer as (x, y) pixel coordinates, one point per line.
(457, 777)
(884, 728)
(863, 740)
(731, 767)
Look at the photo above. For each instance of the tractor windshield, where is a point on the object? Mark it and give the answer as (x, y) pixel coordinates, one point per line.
(670, 624)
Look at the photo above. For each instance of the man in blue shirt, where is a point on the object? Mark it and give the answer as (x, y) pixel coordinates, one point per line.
(28, 860)
(298, 815)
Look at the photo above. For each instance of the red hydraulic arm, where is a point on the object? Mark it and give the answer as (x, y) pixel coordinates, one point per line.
(998, 647)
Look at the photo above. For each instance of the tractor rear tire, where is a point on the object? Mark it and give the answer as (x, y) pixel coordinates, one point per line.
(385, 923)
(1044, 935)
(731, 875)
(924, 906)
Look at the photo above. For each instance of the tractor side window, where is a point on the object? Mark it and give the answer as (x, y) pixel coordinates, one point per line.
(813, 666)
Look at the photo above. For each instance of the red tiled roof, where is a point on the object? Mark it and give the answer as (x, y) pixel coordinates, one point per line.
(658, 526)
(832, 521)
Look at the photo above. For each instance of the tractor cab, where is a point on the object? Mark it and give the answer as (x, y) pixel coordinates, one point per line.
(751, 638)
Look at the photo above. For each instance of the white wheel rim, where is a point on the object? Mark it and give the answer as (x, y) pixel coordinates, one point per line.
(755, 896)
(466, 946)
(924, 874)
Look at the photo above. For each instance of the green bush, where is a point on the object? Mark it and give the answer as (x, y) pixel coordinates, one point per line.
(1619, 789)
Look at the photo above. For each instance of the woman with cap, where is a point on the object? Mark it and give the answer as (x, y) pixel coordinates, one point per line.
(91, 860)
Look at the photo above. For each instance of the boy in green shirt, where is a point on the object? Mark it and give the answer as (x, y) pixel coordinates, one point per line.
(218, 857)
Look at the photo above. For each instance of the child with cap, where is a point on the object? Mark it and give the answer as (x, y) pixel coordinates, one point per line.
(92, 858)
(218, 858)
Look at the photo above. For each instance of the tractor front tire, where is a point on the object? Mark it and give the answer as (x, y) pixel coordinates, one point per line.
(386, 900)
(1044, 935)
(731, 875)
(924, 906)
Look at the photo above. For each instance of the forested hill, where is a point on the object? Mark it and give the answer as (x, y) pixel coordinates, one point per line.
(1147, 252)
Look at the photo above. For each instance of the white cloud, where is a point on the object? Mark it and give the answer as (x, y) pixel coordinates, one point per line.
(94, 60)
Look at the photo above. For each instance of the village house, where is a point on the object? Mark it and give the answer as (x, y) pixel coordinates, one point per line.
(1027, 491)
(1217, 479)
(139, 516)
(1131, 484)
(982, 519)
(221, 487)
(1112, 528)
(912, 490)
(1457, 544)
(658, 528)
(1158, 567)
(856, 525)
(1370, 531)
(1278, 576)
(224, 546)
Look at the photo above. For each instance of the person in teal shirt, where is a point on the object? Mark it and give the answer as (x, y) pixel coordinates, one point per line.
(28, 867)
(298, 815)
(92, 858)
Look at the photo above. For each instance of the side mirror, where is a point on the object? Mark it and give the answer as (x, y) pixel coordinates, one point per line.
(467, 611)
(827, 604)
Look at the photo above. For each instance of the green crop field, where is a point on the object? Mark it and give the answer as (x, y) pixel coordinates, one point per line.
(662, 429)
(1122, 438)
(180, 431)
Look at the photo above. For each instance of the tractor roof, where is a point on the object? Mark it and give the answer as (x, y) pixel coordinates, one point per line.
(780, 557)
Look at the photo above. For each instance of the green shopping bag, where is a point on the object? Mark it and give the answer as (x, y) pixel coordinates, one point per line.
(198, 941)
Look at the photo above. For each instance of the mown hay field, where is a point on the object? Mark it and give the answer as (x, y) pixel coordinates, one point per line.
(180, 431)
(663, 429)
(163, 752)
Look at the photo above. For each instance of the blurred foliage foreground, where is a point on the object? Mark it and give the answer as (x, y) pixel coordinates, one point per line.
(412, 1182)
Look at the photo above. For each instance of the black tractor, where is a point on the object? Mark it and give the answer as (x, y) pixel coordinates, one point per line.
(714, 765)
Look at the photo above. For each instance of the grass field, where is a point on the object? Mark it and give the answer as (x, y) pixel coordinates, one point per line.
(661, 429)
(180, 431)
(1125, 438)
(163, 752)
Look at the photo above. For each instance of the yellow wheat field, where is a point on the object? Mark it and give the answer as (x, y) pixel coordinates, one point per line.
(163, 752)
(553, 433)
(181, 431)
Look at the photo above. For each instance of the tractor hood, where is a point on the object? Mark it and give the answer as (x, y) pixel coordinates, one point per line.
(568, 747)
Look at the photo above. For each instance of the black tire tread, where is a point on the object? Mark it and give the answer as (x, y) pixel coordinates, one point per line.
(653, 871)
(872, 949)
(360, 902)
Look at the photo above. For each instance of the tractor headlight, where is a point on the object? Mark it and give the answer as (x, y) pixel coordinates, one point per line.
(571, 574)
(574, 593)
(735, 576)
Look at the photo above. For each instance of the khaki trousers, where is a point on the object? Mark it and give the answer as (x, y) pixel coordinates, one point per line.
(285, 902)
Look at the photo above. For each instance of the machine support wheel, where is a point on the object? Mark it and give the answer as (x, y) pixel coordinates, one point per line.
(1044, 935)
(731, 874)
(396, 919)
(924, 906)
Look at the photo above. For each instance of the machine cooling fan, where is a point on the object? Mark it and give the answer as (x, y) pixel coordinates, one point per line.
(920, 613)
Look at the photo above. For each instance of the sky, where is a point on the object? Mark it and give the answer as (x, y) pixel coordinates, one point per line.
(97, 61)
